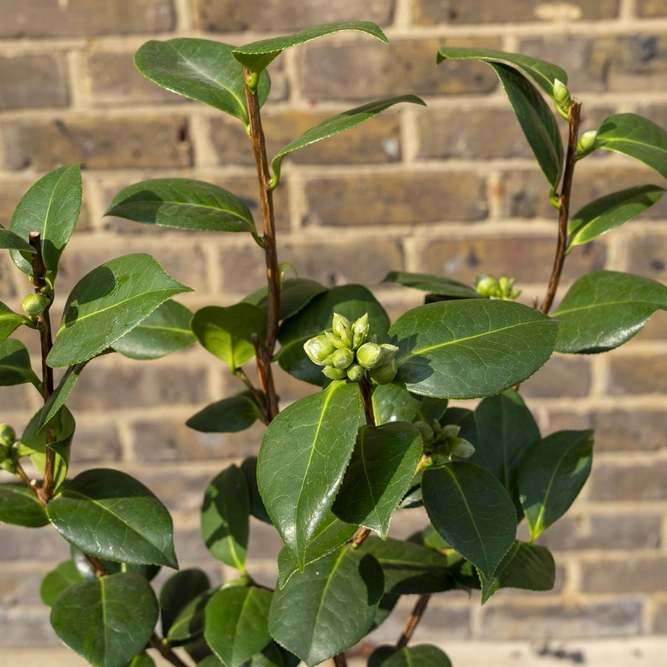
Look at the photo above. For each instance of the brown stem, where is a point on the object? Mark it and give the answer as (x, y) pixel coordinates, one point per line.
(340, 660)
(413, 620)
(155, 643)
(259, 399)
(265, 351)
(359, 537)
(367, 400)
(97, 565)
(564, 201)
(20, 473)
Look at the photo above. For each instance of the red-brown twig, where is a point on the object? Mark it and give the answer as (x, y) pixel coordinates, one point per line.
(413, 620)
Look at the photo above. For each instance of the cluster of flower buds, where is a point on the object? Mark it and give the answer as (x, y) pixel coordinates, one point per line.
(444, 441)
(8, 449)
(562, 98)
(495, 288)
(586, 144)
(347, 351)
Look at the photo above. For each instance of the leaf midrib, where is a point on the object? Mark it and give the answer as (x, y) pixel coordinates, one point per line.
(607, 304)
(158, 203)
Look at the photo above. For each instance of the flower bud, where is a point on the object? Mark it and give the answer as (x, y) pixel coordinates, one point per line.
(586, 143)
(388, 352)
(355, 372)
(369, 355)
(318, 349)
(459, 449)
(7, 435)
(360, 331)
(486, 285)
(34, 304)
(386, 373)
(343, 329)
(426, 432)
(450, 431)
(342, 358)
(334, 373)
(335, 340)
(562, 98)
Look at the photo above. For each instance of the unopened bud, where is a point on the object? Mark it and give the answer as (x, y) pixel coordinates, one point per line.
(334, 373)
(388, 352)
(459, 449)
(369, 355)
(426, 432)
(7, 435)
(486, 285)
(586, 143)
(561, 93)
(343, 329)
(450, 431)
(335, 340)
(360, 331)
(318, 349)
(386, 373)
(355, 372)
(34, 304)
(342, 358)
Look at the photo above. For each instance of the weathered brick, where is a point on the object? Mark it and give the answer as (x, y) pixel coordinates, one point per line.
(21, 587)
(18, 543)
(33, 81)
(630, 575)
(190, 546)
(101, 143)
(180, 490)
(46, 18)
(26, 627)
(15, 398)
(396, 199)
(342, 71)
(629, 482)
(264, 542)
(660, 618)
(289, 388)
(96, 442)
(656, 329)
(562, 376)
(637, 374)
(456, 12)
(647, 256)
(648, 8)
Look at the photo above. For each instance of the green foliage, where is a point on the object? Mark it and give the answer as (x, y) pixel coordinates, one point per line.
(236, 413)
(9, 322)
(20, 506)
(54, 583)
(413, 656)
(178, 591)
(15, 365)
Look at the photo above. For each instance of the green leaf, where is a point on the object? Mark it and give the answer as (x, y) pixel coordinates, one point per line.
(302, 460)
(293, 360)
(230, 415)
(141, 660)
(470, 509)
(106, 621)
(609, 212)
(432, 284)
(183, 203)
(543, 73)
(56, 581)
(107, 303)
(470, 348)
(86, 570)
(227, 332)
(20, 506)
(189, 623)
(200, 69)
(178, 591)
(225, 517)
(525, 566)
(381, 469)
(604, 309)
(551, 476)
(329, 607)
(423, 655)
(394, 403)
(432, 408)
(51, 207)
(236, 625)
(15, 365)
(295, 294)
(259, 55)
(13, 241)
(257, 509)
(60, 395)
(109, 514)
(337, 124)
(637, 137)
(9, 322)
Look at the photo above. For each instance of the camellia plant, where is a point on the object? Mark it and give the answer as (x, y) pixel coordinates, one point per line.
(333, 467)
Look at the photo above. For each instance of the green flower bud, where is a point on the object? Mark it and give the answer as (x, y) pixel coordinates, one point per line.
(426, 431)
(334, 373)
(369, 355)
(388, 352)
(7, 435)
(386, 373)
(343, 329)
(318, 349)
(450, 431)
(34, 304)
(360, 331)
(342, 358)
(335, 340)
(459, 449)
(355, 372)
(562, 99)
(486, 285)
(586, 143)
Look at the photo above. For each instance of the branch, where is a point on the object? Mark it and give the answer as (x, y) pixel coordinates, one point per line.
(259, 399)
(155, 643)
(413, 620)
(340, 660)
(564, 201)
(367, 400)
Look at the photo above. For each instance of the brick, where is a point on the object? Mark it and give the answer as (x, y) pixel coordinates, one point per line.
(648, 8)
(455, 12)
(96, 442)
(342, 71)
(271, 15)
(637, 374)
(631, 575)
(378, 141)
(7, 269)
(630, 482)
(567, 620)
(264, 542)
(528, 259)
(33, 81)
(179, 489)
(562, 376)
(16, 398)
(21, 587)
(26, 627)
(289, 388)
(31, 544)
(51, 18)
(647, 256)
(655, 329)
(101, 143)
(396, 199)
(660, 618)
(190, 546)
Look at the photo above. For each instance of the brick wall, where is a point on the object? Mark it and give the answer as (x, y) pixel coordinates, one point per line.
(449, 189)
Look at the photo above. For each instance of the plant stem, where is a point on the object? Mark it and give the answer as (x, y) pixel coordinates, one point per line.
(155, 643)
(367, 400)
(413, 620)
(340, 660)
(265, 351)
(20, 473)
(259, 399)
(564, 201)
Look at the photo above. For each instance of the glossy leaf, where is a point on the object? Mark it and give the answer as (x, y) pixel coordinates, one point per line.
(432, 408)
(257, 56)
(236, 625)
(432, 284)
(337, 124)
(257, 509)
(302, 460)
(525, 566)
(381, 469)
(183, 203)
(107, 303)
(230, 415)
(293, 360)
(106, 621)
(15, 365)
(86, 570)
(423, 655)
(604, 309)
(470, 348)
(227, 332)
(141, 660)
(200, 69)
(20, 506)
(543, 73)
(60, 395)
(189, 623)
(109, 514)
(470, 509)
(58, 580)
(329, 607)
(637, 137)
(179, 590)
(611, 211)
(551, 476)
(51, 207)
(295, 294)
(11, 241)
(393, 402)
(9, 322)
(225, 517)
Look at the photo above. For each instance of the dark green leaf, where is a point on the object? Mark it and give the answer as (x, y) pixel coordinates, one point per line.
(387, 603)
(470, 348)
(230, 415)
(469, 507)
(465, 419)
(236, 625)
(14, 241)
(86, 570)
(60, 395)
(20, 506)
(609, 212)
(56, 581)
(293, 359)
(15, 365)
(432, 408)
(393, 402)
(107, 303)
(329, 607)
(9, 322)
(190, 621)
(604, 309)
(381, 469)
(259, 55)
(109, 514)
(225, 517)
(413, 496)
(423, 655)
(432, 284)
(295, 294)
(141, 660)
(636, 137)
(107, 621)
(552, 475)
(271, 656)
(200, 69)
(51, 207)
(179, 590)
(302, 460)
(257, 509)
